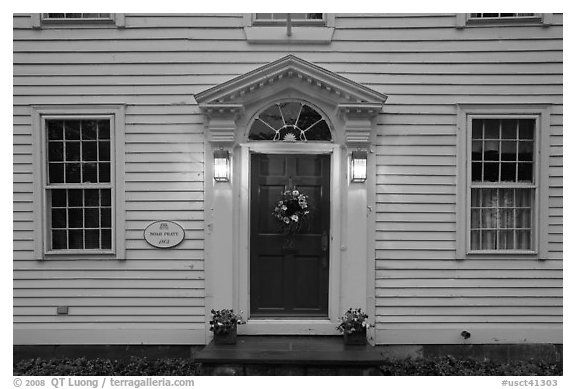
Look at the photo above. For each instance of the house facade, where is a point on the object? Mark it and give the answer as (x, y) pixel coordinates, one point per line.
(152, 151)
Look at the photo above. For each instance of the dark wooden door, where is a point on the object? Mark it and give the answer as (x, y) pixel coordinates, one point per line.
(289, 278)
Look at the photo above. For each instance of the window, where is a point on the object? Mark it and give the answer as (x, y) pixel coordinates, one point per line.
(502, 19)
(501, 15)
(295, 18)
(502, 185)
(79, 184)
(290, 122)
(269, 28)
(76, 16)
(77, 20)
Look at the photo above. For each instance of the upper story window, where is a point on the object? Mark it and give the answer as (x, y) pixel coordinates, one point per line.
(502, 184)
(79, 188)
(295, 18)
(290, 122)
(77, 20)
(501, 15)
(76, 16)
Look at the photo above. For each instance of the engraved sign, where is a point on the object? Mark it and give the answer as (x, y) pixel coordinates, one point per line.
(164, 234)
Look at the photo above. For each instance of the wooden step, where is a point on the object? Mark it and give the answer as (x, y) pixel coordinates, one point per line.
(289, 355)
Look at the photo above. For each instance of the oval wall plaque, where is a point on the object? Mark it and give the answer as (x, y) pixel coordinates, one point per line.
(164, 234)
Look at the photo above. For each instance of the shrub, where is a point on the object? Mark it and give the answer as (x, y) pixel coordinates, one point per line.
(98, 367)
(450, 366)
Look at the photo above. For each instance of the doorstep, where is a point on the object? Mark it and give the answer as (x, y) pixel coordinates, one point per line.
(288, 355)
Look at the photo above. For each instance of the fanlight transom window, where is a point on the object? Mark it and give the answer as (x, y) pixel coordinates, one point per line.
(290, 122)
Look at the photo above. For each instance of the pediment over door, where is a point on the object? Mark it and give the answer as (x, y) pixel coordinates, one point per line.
(228, 103)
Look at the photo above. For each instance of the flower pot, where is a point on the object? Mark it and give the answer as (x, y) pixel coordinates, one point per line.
(227, 338)
(356, 337)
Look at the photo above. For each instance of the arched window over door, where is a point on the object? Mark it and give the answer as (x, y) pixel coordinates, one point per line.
(290, 122)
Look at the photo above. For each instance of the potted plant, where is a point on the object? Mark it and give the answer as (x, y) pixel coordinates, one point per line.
(224, 324)
(353, 325)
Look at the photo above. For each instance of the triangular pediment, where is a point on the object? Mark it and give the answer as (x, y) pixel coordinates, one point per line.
(297, 73)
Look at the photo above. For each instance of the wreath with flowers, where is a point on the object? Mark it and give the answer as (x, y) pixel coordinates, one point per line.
(292, 211)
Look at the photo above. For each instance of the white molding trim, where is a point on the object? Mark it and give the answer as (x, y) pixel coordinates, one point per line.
(117, 112)
(542, 115)
(301, 34)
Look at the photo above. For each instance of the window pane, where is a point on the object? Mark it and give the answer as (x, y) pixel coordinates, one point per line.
(525, 172)
(73, 172)
(104, 171)
(106, 239)
(56, 151)
(489, 197)
(525, 150)
(508, 151)
(106, 216)
(89, 130)
(58, 197)
(506, 240)
(488, 218)
(491, 129)
(477, 129)
(105, 197)
(91, 197)
(72, 151)
(89, 172)
(76, 239)
(524, 240)
(104, 151)
(476, 171)
(476, 150)
(72, 129)
(491, 171)
(55, 129)
(475, 240)
(55, 173)
(475, 198)
(59, 218)
(506, 218)
(489, 240)
(75, 217)
(506, 198)
(89, 151)
(59, 240)
(91, 218)
(523, 198)
(75, 198)
(290, 111)
(491, 150)
(509, 129)
(103, 129)
(476, 218)
(320, 131)
(92, 239)
(523, 218)
(508, 172)
(526, 128)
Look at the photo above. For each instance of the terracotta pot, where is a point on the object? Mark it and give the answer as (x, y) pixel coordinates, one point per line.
(356, 338)
(229, 338)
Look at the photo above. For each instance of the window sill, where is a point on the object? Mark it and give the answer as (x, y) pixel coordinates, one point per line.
(300, 35)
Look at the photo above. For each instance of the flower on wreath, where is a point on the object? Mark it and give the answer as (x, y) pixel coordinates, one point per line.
(224, 320)
(292, 210)
(354, 320)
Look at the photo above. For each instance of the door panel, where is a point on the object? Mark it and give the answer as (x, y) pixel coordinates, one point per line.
(289, 280)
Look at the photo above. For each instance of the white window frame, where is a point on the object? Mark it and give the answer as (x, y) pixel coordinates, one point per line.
(115, 114)
(539, 19)
(116, 20)
(540, 171)
(270, 32)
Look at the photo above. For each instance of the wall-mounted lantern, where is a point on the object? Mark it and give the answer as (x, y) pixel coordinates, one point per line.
(221, 165)
(358, 165)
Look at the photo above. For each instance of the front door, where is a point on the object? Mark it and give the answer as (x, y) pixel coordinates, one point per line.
(289, 274)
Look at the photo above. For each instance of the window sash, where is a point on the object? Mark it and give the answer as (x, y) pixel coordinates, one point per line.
(282, 21)
(49, 189)
(477, 185)
(77, 16)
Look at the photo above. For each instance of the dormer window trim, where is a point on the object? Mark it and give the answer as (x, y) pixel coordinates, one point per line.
(300, 32)
(115, 20)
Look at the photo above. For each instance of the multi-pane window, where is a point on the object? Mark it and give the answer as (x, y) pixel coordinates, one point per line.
(294, 17)
(76, 16)
(501, 15)
(502, 184)
(79, 186)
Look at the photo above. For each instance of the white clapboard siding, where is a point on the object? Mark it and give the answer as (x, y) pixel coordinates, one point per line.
(154, 66)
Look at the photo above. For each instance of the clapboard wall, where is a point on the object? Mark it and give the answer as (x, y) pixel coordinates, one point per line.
(155, 64)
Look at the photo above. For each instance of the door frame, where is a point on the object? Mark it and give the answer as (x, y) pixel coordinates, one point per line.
(242, 160)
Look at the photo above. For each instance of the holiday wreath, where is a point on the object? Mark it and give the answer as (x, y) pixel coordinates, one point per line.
(292, 210)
